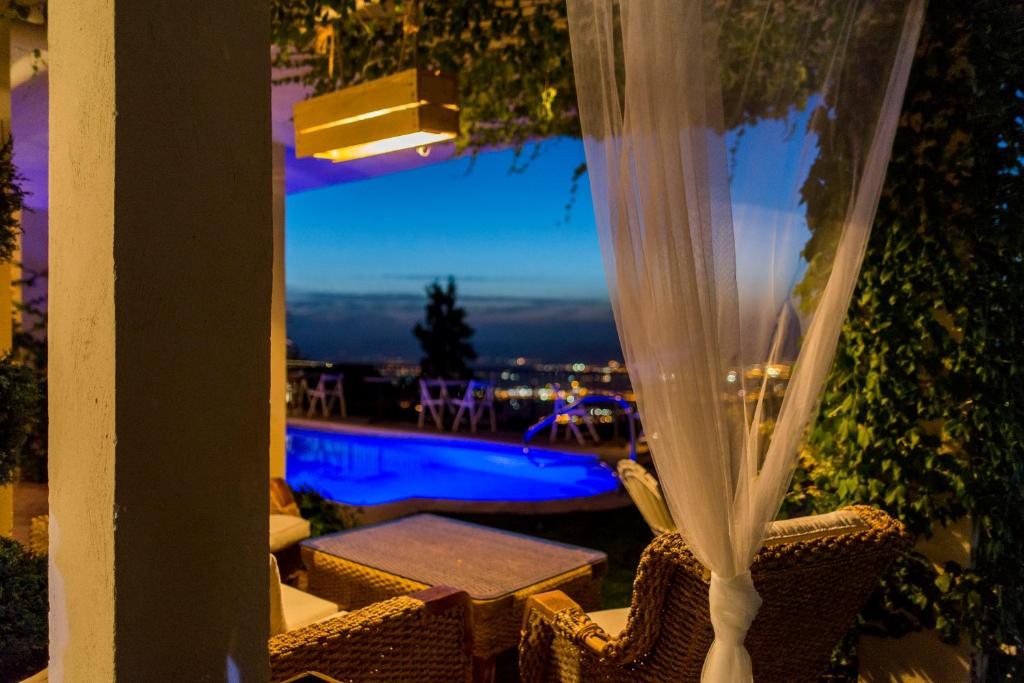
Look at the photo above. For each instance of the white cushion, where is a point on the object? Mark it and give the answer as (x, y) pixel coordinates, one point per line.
(302, 609)
(613, 621)
(291, 608)
(814, 526)
(287, 530)
(277, 624)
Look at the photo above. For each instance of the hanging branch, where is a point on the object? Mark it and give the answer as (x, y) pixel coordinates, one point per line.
(12, 197)
(512, 58)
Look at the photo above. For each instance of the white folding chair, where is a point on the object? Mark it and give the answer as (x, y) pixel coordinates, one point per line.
(328, 390)
(433, 399)
(573, 414)
(296, 391)
(474, 402)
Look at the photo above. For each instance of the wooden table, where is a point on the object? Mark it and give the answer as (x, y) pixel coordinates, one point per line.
(498, 569)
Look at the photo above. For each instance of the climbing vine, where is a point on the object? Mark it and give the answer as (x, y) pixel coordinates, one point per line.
(923, 414)
(511, 58)
(514, 62)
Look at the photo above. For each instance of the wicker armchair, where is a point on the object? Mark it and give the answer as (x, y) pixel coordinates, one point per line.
(812, 588)
(421, 638)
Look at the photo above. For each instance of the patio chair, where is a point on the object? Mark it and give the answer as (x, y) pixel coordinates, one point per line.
(573, 412)
(296, 391)
(328, 391)
(287, 527)
(434, 398)
(474, 406)
(419, 637)
(646, 494)
(813, 577)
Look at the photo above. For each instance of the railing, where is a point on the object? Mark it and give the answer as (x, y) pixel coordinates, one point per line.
(522, 395)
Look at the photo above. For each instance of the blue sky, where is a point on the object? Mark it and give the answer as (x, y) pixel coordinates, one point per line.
(359, 255)
(498, 233)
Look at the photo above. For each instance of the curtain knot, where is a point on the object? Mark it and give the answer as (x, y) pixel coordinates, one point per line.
(734, 603)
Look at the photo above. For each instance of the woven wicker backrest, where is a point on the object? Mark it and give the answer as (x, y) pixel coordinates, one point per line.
(646, 495)
(812, 591)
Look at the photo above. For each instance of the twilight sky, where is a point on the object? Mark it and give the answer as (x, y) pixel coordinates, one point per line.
(360, 253)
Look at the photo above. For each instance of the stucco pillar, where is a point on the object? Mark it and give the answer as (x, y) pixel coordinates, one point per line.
(278, 330)
(161, 248)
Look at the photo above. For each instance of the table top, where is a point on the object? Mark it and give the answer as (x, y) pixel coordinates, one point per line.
(486, 563)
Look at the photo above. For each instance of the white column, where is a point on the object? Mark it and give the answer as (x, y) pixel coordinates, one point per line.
(161, 248)
(278, 330)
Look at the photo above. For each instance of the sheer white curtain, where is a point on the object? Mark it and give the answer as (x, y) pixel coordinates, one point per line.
(736, 152)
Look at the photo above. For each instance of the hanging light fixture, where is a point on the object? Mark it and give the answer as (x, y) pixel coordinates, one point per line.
(412, 108)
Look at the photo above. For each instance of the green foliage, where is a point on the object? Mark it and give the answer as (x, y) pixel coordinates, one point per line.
(22, 390)
(445, 336)
(324, 516)
(514, 62)
(29, 349)
(923, 414)
(11, 199)
(23, 612)
(511, 58)
(19, 404)
(26, 9)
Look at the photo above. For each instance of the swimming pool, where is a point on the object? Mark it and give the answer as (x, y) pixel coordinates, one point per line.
(363, 467)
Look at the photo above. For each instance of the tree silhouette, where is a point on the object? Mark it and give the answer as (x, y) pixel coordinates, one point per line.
(445, 336)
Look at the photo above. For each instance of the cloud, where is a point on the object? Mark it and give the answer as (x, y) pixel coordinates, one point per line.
(377, 327)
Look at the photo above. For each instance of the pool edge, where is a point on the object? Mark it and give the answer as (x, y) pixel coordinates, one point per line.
(372, 514)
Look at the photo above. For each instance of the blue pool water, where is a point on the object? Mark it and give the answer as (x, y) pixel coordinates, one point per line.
(369, 469)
